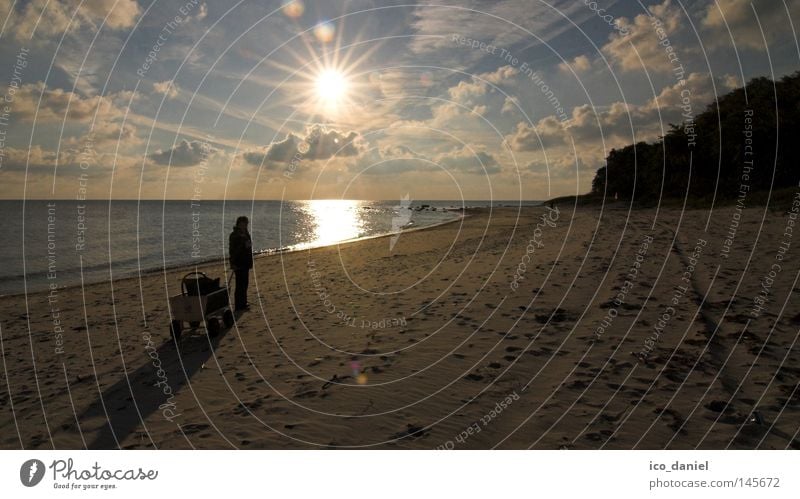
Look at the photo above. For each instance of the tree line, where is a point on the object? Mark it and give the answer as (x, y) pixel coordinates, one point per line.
(744, 142)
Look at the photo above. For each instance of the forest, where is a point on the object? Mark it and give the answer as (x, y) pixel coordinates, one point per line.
(743, 143)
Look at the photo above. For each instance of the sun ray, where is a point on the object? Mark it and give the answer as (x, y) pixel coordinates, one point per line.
(320, 78)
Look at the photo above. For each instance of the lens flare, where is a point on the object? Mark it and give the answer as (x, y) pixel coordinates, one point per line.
(293, 8)
(324, 32)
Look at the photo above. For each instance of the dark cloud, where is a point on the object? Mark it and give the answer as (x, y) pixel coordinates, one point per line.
(318, 143)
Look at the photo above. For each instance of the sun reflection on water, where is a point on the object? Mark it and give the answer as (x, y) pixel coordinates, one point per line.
(334, 220)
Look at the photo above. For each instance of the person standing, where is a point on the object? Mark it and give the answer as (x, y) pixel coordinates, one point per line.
(240, 247)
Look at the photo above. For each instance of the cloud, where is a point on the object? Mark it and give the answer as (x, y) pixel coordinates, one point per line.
(121, 13)
(467, 90)
(503, 74)
(36, 158)
(489, 22)
(615, 124)
(463, 105)
(731, 81)
(393, 159)
(184, 154)
(399, 159)
(580, 64)
(464, 91)
(168, 88)
(548, 132)
(46, 19)
(318, 143)
(57, 104)
(40, 161)
(202, 12)
(644, 41)
(510, 105)
(740, 18)
(398, 82)
(108, 134)
(469, 161)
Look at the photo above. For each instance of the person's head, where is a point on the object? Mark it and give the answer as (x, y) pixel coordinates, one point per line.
(242, 222)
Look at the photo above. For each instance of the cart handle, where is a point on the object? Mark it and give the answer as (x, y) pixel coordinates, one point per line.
(184, 288)
(194, 273)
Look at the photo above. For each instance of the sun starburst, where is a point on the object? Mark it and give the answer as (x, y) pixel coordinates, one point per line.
(331, 87)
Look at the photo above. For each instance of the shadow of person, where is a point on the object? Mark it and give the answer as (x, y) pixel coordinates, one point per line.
(151, 388)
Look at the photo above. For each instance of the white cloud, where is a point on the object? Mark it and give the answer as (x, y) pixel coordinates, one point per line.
(477, 92)
(464, 91)
(510, 105)
(168, 88)
(503, 74)
(644, 39)
(579, 64)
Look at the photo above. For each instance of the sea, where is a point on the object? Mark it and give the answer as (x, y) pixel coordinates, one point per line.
(59, 243)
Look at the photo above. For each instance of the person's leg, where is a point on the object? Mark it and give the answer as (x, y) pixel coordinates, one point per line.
(245, 284)
(240, 295)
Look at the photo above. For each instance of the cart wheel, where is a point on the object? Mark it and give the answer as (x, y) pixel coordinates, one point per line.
(227, 318)
(212, 326)
(175, 329)
(194, 324)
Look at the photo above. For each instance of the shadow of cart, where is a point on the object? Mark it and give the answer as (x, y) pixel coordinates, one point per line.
(152, 388)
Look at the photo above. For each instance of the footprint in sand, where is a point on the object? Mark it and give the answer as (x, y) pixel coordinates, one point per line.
(306, 394)
(191, 429)
(676, 421)
(411, 432)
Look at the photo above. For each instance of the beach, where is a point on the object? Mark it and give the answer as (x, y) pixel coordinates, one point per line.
(512, 328)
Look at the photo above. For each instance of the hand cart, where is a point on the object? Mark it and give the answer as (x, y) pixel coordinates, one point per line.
(202, 300)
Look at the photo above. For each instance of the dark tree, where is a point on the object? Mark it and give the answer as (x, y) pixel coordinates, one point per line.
(747, 137)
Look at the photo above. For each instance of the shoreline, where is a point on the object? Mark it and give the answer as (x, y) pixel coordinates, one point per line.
(462, 214)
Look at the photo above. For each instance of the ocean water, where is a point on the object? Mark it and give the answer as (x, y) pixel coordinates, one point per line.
(64, 242)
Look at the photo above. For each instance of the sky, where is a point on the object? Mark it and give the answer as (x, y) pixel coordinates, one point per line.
(359, 99)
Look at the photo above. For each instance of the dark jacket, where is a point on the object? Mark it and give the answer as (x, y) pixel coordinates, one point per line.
(240, 247)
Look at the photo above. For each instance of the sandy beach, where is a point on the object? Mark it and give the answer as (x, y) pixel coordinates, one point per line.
(513, 328)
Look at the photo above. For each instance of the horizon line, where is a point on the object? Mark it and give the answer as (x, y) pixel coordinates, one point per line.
(237, 199)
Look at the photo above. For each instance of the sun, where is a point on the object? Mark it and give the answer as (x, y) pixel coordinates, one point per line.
(331, 87)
